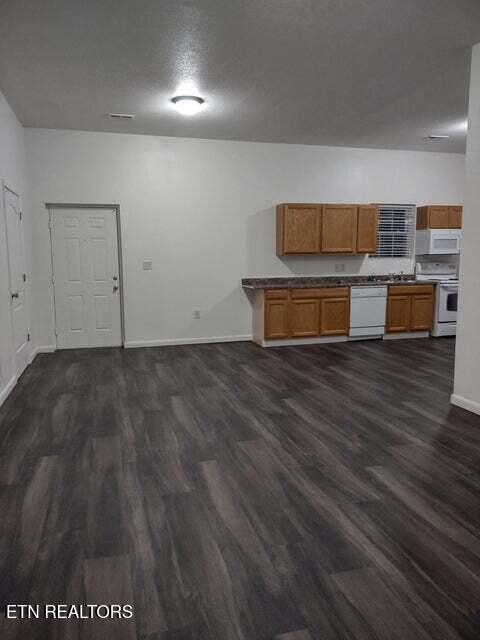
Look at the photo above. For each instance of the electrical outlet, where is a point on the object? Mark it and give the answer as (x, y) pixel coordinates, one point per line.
(196, 314)
(339, 267)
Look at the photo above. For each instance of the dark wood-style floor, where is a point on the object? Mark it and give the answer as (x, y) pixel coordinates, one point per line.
(235, 493)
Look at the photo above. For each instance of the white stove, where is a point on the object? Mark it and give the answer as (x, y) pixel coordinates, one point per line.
(444, 275)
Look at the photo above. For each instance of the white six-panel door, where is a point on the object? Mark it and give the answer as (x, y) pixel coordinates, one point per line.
(17, 271)
(86, 278)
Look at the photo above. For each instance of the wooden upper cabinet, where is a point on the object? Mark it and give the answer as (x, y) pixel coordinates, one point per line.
(326, 228)
(339, 228)
(303, 317)
(455, 215)
(276, 319)
(439, 217)
(334, 316)
(367, 223)
(298, 228)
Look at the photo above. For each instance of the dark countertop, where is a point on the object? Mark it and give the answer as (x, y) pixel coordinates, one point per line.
(304, 282)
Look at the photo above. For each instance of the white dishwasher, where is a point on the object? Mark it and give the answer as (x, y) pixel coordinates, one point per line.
(368, 306)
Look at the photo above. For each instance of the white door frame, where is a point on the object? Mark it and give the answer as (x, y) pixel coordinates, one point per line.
(50, 206)
(7, 186)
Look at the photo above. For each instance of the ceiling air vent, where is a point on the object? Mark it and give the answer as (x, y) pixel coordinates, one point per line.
(121, 116)
(434, 136)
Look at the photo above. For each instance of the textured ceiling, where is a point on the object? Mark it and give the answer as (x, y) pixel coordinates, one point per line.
(376, 73)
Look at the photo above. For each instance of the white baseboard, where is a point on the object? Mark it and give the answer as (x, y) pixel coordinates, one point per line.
(5, 392)
(49, 348)
(465, 403)
(134, 344)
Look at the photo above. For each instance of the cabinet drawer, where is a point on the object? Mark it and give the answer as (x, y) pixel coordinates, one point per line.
(410, 289)
(305, 293)
(276, 294)
(323, 292)
(335, 292)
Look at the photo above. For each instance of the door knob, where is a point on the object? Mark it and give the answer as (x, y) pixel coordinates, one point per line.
(15, 295)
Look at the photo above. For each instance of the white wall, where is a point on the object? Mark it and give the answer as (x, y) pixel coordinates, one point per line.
(467, 361)
(12, 168)
(203, 212)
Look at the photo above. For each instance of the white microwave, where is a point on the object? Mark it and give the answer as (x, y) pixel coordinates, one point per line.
(438, 241)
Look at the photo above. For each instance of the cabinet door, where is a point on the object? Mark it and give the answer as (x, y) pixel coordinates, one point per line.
(422, 218)
(455, 217)
(398, 313)
(438, 217)
(303, 318)
(334, 316)
(367, 223)
(301, 229)
(421, 313)
(276, 319)
(339, 226)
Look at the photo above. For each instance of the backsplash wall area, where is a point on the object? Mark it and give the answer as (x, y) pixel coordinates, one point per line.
(203, 212)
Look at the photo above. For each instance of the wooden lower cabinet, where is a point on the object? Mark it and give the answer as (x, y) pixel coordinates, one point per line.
(334, 316)
(421, 313)
(398, 313)
(306, 313)
(409, 308)
(314, 312)
(303, 318)
(276, 319)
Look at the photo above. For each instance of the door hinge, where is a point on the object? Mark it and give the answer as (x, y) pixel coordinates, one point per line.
(24, 277)
(28, 337)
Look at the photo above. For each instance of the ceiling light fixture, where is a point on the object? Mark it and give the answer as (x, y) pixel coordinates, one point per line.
(188, 105)
(462, 126)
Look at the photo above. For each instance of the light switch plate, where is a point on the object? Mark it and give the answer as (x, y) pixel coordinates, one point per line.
(147, 265)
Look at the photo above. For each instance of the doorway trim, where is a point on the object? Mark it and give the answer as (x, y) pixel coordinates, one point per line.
(88, 207)
(7, 186)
